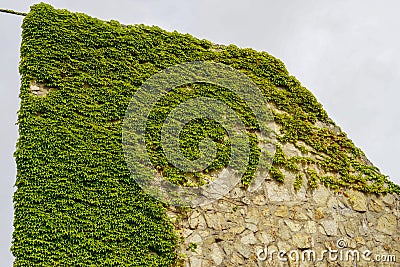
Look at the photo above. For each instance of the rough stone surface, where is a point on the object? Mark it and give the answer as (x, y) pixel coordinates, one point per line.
(376, 205)
(290, 150)
(321, 195)
(282, 211)
(302, 241)
(330, 227)
(231, 231)
(387, 224)
(216, 254)
(357, 200)
(248, 239)
(39, 89)
(278, 193)
(310, 227)
(294, 227)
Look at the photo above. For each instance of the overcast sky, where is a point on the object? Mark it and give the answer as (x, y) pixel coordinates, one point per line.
(345, 51)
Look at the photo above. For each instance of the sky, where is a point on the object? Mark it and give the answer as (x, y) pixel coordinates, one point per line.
(346, 52)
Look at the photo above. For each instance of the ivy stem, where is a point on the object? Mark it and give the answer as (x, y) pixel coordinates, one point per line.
(9, 11)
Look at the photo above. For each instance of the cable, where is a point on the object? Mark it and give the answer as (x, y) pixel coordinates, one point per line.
(9, 11)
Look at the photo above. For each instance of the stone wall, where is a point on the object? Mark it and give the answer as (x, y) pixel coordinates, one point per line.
(272, 224)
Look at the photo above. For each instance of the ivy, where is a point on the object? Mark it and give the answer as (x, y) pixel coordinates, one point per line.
(277, 174)
(313, 178)
(76, 203)
(298, 182)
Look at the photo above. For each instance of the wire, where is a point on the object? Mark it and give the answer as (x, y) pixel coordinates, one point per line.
(9, 11)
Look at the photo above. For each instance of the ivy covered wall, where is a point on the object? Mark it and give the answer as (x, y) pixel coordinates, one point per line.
(76, 203)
